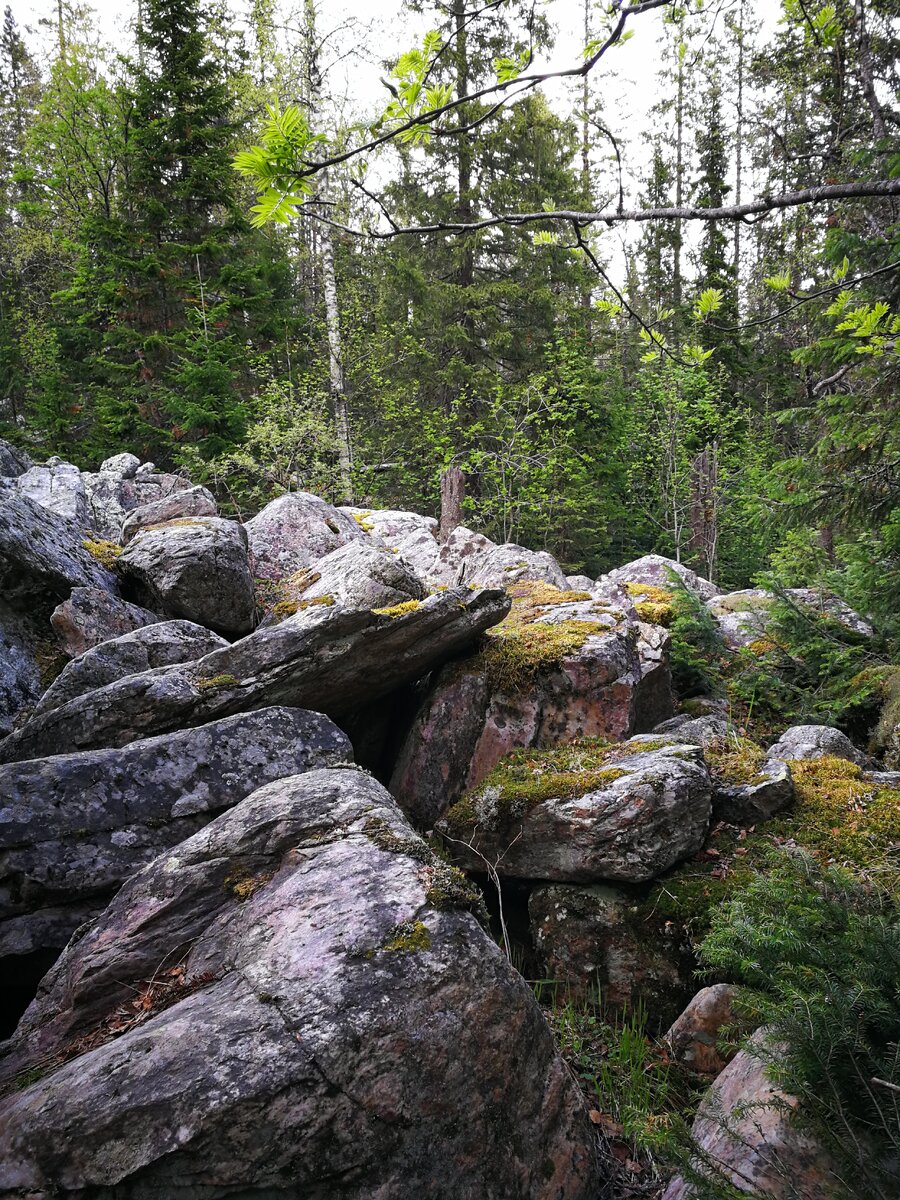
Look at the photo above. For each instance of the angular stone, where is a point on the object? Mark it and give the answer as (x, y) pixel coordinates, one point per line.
(192, 502)
(502, 566)
(655, 570)
(817, 741)
(391, 525)
(744, 1126)
(330, 659)
(654, 701)
(91, 615)
(159, 645)
(580, 583)
(652, 813)
(742, 617)
(42, 554)
(699, 731)
(457, 553)
(13, 461)
(771, 790)
(363, 574)
(20, 674)
(294, 531)
(195, 568)
(693, 1038)
(119, 487)
(593, 941)
(74, 827)
(322, 1018)
(57, 486)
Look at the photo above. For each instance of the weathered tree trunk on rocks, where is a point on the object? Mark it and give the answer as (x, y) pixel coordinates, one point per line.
(704, 508)
(453, 492)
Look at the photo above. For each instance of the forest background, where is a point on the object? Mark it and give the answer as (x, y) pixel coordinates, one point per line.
(722, 392)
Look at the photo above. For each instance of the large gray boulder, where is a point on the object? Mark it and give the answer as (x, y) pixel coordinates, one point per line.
(327, 658)
(121, 485)
(191, 502)
(363, 575)
(20, 673)
(744, 1126)
(295, 1001)
(639, 813)
(456, 555)
(294, 531)
(657, 571)
(817, 741)
(42, 555)
(502, 566)
(74, 827)
(159, 645)
(57, 486)
(195, 568)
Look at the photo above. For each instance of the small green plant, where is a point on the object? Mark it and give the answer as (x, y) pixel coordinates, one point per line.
(104, 551)
(697, 647)
(217, 681)
(397, 610)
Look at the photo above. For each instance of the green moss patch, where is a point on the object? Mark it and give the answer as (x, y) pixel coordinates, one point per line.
(398, 610)
(736, 760)
(105, 552)
(655, 605)
(409, 937)
(217, 681)
(515, 654)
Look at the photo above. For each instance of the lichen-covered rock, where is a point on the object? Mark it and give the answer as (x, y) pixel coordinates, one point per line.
(593, 941)
(13, 461)
(159, 645)
(323, 1017)
(502, 566)
(122, 485)
(42, 555)
(191, 502)
(653, 696)
(699, 731)
(657, 571)
(828, 605)
(330, 659)
(744, 1126)
(20, 674)
(693, 1037)
(642, 809)
(817, 741)
(74, 827)
(580, 583)
(294, 531)
(363, 575)
(457, 553)
(472, 716)
(58, 486)
(91, 615)
(195, 568)
(390, 526)
(742, 617)
(768, 790)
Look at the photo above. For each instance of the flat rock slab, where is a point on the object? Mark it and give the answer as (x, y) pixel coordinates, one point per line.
(191, 502)
(20, 675)
(363, 574)
(652, 813)
(74, 827)
(161, 644)
(92, 615)
(327, 1020)
(329, 659)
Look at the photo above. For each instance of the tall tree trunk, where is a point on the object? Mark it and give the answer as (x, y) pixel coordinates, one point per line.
(738, 155)
(705, 508)
(466, 242)
(453, 492)
(867, 74)
(679, 169)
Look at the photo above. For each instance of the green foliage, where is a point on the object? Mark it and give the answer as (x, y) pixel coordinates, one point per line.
(697, 648)
(821, 953)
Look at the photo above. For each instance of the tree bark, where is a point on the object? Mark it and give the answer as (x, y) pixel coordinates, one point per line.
(453, 492)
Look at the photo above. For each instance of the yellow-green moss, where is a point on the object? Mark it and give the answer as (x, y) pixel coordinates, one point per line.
(398, 610)
(629, 749)
(735, 760)
(287, 608)
(515, 656)
(653, 604)
(360, 519)
(106, 553)
(243, 884)
(525, 778)
(217, 681)
(408, 937)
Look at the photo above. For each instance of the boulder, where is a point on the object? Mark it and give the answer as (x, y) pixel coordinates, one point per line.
(817, 741)
(628, 818)
(594, 942)
(742, 617)
(744, 1126)
(501, 566)
(191, 502)
(362, 575)
(654, 701)
(694, 1037)
(20, 673)
(457, 553)
(331, 659)
(828, 605)
(655, 570)
(42, 555)
(699, 731)
(121, 485)
(195, 568)
(74, 827)
(391, 525)
(159, 645)
(91, 616)
(13, 461)
(294, 1001)
(294, 531)
(57, 486)
(768, 790)
(583, 685)
(580, 583)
